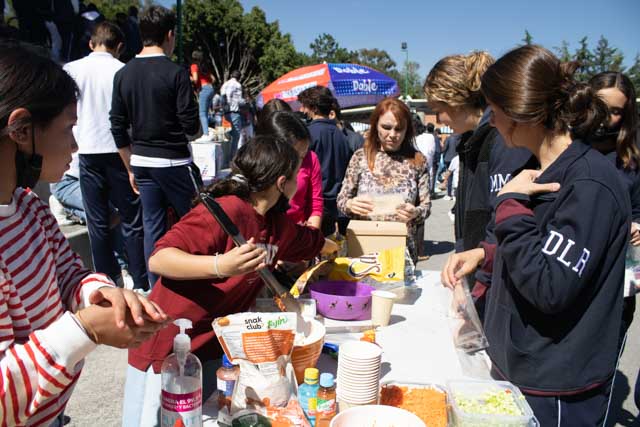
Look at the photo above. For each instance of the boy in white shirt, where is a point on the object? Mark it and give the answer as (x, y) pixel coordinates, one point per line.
(103, 175)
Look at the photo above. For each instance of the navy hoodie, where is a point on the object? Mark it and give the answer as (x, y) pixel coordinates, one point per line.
(486, 164)
(631, 182)
(555, 305)
(332, 148)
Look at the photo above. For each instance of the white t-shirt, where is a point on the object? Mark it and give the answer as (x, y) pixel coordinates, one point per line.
(427, 145)
(454, 167)
(94, 76)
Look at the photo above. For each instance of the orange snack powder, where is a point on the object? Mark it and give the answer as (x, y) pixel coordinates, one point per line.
(429, 404)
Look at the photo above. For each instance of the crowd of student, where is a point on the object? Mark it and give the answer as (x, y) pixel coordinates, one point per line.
(536, 163)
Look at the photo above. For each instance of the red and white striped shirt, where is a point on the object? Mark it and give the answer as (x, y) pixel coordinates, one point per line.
(42, 347)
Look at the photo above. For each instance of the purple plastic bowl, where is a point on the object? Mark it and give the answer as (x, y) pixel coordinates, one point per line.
(342, 300)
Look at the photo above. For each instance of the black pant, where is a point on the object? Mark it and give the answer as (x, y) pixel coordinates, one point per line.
(585, 409)
(161, 188)
(104, 179)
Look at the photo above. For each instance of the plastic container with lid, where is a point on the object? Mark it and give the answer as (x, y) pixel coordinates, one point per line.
(227, 375)
(485, 396)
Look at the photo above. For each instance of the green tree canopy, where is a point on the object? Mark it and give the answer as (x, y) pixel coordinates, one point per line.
(325, 48)
(605, 57)
(235, 40)
(376, 58)
(410, 79)
(110, 8)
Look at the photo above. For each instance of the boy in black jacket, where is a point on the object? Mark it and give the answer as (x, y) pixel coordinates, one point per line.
(153, 96)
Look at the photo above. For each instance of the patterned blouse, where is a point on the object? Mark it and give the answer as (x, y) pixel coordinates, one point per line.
(392, 173)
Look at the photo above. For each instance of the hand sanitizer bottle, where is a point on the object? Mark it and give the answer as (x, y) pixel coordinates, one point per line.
(181, 404)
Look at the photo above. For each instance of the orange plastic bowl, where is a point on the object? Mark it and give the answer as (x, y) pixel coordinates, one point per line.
(307, 355)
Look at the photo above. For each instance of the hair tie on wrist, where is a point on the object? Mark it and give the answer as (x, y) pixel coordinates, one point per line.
(215, 267)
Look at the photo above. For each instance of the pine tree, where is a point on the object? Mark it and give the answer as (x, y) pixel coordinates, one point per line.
(606, 58)
(563, 52)
(634, 73)
(585, 58)
(528, 38)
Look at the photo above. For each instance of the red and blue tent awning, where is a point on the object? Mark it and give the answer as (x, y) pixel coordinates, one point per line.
(351, 84)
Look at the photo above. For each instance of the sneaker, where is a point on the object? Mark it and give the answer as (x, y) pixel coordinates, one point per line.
(58, 211)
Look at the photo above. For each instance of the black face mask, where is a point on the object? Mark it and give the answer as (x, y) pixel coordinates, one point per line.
(606, 134)
(28, 167)
(282, 205)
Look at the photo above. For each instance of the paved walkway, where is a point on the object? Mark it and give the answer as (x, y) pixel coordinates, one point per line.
(97, 399)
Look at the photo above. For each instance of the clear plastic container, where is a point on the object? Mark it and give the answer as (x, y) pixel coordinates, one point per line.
(478, 390)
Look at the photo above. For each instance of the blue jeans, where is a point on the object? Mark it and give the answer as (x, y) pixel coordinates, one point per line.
(67, 191)
(161, 188)
(69, 194)
(141, 406)
(204, 101)
(236, 126)
(104, 182)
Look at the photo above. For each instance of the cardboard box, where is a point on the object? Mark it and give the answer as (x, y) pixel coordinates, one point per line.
(364, 237)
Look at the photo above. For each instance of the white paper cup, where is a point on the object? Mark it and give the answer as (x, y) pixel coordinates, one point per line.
(360, 350)
(381, 305)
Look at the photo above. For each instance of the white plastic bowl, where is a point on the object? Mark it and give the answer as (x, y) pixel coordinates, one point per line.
(378, 415)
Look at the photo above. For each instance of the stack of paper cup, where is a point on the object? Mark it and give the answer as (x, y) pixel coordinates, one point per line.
(358, 373)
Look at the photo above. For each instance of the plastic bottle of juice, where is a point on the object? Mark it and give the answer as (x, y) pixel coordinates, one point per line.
(227, 375)
(326, 409)
(308, 394)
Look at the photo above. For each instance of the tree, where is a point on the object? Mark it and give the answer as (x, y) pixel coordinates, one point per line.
(377, 59)
(634, 73)
(528, 38)
(563, 52)
(325, 48)
(110, 8)
(410, 75)
(234, 40)
(606, 58)
(585, 58)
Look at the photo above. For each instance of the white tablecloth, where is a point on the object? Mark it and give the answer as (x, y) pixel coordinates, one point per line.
(417, 345)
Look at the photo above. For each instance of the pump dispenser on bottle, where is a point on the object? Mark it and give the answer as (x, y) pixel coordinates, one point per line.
(181, 383)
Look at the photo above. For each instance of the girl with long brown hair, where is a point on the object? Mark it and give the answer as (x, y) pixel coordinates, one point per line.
(554, 308)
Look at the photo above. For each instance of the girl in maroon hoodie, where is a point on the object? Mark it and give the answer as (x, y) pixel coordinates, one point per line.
(204, 275)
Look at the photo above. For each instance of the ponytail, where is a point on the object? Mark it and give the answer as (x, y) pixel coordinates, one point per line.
(455, 80)
(532, 86)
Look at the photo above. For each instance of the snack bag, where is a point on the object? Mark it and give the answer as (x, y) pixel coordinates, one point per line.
(379, 267)
(261, 344)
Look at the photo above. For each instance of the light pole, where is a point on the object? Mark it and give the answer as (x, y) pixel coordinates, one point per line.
(405, 49)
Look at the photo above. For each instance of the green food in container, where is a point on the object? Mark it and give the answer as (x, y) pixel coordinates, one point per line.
(491, 403)
(478, 403)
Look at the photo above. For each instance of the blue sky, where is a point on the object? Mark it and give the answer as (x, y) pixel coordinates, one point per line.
(436, 29)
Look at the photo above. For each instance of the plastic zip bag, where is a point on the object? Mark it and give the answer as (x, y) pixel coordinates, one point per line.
(466, 328)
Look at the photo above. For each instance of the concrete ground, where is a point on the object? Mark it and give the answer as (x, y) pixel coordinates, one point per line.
(97, 399)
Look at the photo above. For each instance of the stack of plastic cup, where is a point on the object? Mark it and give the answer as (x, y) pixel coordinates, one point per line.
(358, 374)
